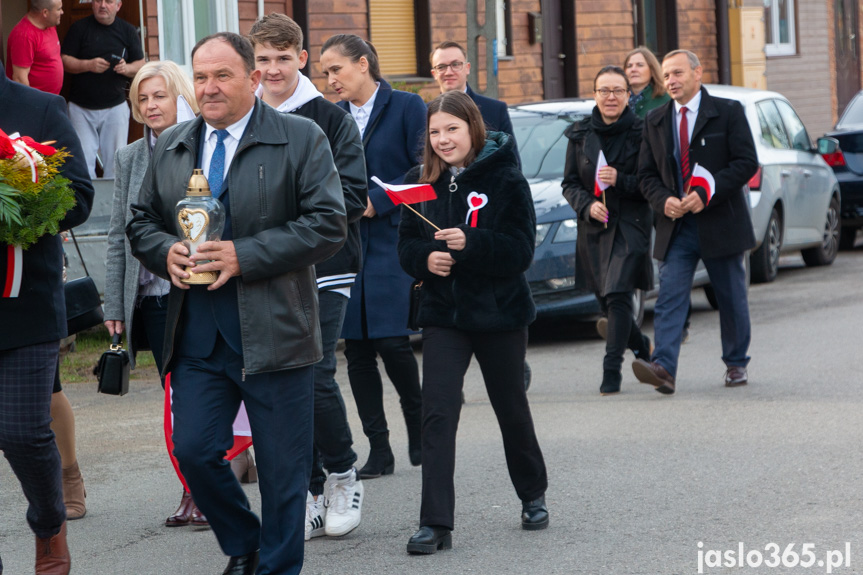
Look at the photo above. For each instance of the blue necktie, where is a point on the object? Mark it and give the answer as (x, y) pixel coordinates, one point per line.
(216, 176)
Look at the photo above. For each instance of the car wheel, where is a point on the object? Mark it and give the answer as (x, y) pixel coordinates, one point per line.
(765, 260)
(638, 307)
(825, 253)
(847, 238)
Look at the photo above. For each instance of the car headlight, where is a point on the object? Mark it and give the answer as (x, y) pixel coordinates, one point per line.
(541, 231)
(566, 232)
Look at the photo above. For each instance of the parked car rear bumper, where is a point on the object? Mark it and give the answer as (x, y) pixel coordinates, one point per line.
(851, 190)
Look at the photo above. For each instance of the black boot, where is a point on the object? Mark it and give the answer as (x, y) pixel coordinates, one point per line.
(644, 350)
(534, 514)
(610, 382)
(381, 460)
(415, 444)
(429, 539)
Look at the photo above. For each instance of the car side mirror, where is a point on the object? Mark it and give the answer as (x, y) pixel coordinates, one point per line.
(827, 145)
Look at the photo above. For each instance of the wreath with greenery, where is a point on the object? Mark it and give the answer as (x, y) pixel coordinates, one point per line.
(34, 198)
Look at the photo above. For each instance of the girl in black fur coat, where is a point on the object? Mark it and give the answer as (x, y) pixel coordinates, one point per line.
(475, 301)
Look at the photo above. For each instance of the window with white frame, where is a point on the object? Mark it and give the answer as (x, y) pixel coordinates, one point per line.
(779, 23)
(183, 22)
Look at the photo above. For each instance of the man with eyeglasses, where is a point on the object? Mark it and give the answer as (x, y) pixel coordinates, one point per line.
(450, 68)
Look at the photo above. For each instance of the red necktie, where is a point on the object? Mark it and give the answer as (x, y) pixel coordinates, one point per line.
(684, 145)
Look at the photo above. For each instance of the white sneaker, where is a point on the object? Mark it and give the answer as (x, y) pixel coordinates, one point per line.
(315, 516)
(344, 501)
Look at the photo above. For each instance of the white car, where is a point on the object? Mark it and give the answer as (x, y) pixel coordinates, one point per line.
(794, 196)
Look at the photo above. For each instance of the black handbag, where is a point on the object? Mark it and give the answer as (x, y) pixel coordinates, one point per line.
(112, 371)
(414, 309)
(83, 304)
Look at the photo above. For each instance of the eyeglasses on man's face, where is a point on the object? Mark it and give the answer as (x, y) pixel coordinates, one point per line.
(456, 67)
(605, 92)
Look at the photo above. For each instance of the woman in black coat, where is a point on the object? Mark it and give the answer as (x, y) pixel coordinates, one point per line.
(612, 248)
(475, 301)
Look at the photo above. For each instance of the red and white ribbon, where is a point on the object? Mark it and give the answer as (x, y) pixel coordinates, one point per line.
(14, 265)
(475, 203)
(28, 154)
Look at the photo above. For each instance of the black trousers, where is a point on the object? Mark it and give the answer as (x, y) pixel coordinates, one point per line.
(26, 382)
(446, 356)
(623, 332)
(367, 386)
(333, 440)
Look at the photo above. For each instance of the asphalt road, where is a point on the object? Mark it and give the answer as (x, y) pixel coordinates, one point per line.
(640, 483)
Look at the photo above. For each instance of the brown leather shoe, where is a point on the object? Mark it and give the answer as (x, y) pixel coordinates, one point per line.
(244, 467)
(52, 554)
(653, 374)
(736, 376)
(197, 519)
(183, 514)
(74, 492)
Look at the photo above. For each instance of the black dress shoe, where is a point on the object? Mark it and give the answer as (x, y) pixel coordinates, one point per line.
(429, 540)
(534, 514)
(242, 565)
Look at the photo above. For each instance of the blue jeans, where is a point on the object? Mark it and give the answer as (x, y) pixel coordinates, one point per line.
(728, 276)
(333, 440)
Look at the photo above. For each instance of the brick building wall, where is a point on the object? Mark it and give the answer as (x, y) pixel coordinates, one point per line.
(805, 78)
(604, 34)
(519, 77)
(696, 31)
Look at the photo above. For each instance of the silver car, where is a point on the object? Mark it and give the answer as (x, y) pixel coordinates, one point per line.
(794, 196)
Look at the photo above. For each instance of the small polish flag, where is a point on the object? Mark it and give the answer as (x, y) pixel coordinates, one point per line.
(407, 194)
(703, 179)
(598, 186)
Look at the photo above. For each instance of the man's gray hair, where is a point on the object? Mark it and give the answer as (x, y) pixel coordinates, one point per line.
(693, 59)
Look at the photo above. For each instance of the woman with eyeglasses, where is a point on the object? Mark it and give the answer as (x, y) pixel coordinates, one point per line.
(647, 90)
(391, 123)
(612, 247)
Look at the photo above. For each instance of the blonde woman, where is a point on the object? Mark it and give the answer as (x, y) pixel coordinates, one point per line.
(136, 300)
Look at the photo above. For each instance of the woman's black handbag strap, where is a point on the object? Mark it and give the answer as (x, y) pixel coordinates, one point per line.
(83, 263)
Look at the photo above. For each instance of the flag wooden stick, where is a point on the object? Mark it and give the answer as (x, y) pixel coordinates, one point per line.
(408, 206)
(606, 208)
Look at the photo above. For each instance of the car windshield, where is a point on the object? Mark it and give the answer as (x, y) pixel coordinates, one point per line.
(541, 143)
(853, 114)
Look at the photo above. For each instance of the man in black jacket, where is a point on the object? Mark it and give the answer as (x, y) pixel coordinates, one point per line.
(34, 322)
(279, 55)
(697, 130)
(451, 69)
(254, 334)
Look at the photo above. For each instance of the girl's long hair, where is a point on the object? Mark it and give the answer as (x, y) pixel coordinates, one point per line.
(461, 106)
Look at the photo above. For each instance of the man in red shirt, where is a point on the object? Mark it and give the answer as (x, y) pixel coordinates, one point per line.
(34, 48)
